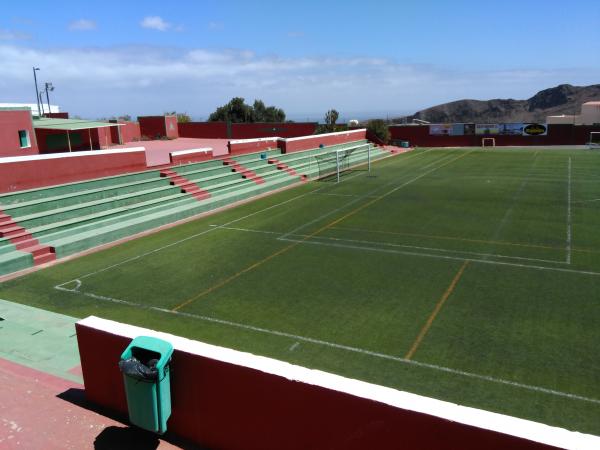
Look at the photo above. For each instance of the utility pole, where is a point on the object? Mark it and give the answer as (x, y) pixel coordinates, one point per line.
(37, 96)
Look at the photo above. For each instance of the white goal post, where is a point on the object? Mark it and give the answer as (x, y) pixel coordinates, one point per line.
(488, 142)
(594, 141)
(337, 161)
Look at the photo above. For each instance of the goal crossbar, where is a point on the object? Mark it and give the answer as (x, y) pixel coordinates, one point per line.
(336, 162)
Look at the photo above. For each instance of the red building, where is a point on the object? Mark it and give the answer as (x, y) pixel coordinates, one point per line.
(158, 127)
(17, 136)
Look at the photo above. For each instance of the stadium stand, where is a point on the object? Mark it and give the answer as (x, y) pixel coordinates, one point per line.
(40, 225)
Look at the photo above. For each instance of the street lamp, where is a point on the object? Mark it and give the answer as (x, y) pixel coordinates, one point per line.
(37, 97)
(49, 87)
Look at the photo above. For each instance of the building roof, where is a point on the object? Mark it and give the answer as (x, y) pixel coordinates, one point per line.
(595, 103)
(69, 124)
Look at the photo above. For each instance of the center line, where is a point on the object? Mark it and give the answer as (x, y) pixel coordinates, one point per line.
(569, 213)
(436, 310)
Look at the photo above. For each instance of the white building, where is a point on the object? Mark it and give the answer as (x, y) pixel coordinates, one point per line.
(33, 107)
(590, 115)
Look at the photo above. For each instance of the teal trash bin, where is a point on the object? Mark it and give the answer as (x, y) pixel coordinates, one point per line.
(404, 144)
(145, 365)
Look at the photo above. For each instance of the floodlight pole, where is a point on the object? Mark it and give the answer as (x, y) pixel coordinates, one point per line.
(37, 97)
(41, 102)
(48, 87)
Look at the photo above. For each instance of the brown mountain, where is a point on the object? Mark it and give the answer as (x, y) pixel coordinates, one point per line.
(562, 99)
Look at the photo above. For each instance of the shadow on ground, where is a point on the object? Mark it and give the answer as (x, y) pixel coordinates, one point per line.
(125, 437)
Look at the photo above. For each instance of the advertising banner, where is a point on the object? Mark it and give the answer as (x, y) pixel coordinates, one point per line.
(512, 129)
(535, 129)
(487, 128)
(469, 128)
(440, 129)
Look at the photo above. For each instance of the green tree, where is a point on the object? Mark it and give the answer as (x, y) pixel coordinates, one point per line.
(380, 129)
(264, 113)
(331, 118)
(237, 111)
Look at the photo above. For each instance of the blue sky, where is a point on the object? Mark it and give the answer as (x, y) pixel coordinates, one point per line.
(363, 58)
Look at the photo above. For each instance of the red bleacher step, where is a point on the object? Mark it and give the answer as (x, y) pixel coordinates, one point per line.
(288, 169)
(24, 241)
(186, 186)
(5, 218)
(24, 244)
(11, 230)
(243, 171)
(44, 258)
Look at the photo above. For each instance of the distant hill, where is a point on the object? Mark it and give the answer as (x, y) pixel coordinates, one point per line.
(562, 99)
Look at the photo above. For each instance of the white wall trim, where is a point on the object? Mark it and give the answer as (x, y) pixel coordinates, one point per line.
(192, 150)
(501, 423)
(14, 159)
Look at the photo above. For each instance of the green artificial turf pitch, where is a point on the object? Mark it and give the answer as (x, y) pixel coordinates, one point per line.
(467, 275)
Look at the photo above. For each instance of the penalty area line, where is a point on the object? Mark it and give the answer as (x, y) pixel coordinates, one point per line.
(298, 338)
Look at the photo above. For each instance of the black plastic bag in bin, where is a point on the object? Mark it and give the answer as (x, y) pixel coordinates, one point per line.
(134, 368)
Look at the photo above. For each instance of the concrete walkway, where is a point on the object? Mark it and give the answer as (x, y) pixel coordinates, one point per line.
(42, 400)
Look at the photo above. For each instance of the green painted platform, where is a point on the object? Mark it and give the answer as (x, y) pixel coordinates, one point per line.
(39, 339)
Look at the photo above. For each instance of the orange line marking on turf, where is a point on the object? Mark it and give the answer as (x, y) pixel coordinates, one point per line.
(295, 244)
(436, 311)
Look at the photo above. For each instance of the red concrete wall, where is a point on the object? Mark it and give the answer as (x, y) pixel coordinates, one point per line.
(172, 130)
(218, 130)
(21, 175)
(418, 135)
(203, 130)
(11, 121)
(103, 137)
(152, 127)
(284, 130)
(294, 145)
(129, 131)
(252, 145)
(225, 405)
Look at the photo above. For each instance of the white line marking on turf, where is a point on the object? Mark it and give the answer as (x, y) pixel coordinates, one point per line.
(172, 244)
(357, 199)
(453, 258)
(343, 195)
(514, 200)
(214, 227)
(393, 244)
(587, 201)
(294, 346)
(297, 338)
(569, 234)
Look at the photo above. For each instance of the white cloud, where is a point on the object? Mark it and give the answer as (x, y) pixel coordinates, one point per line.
(8, 35)
(155, 23)
(82, 25)
(215, 26)
(151, 80)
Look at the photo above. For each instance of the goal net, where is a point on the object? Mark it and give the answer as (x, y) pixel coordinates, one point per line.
(333, 164)
(488, 142)
(594, 139)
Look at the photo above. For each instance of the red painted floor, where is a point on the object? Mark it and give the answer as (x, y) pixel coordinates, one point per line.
(41, 411)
